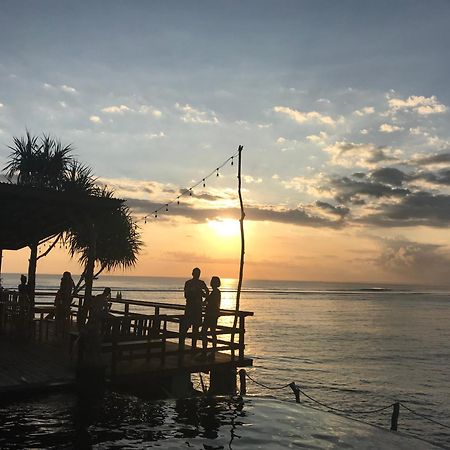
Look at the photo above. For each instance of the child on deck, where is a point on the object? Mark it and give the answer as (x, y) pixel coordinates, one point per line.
(211, 316)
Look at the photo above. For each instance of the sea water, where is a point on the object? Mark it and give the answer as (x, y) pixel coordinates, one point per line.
(354, 347)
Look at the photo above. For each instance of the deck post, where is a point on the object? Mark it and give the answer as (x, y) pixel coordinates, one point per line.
(222, 381)
(241, 336)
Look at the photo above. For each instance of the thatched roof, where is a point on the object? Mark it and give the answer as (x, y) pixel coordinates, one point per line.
(31, 214)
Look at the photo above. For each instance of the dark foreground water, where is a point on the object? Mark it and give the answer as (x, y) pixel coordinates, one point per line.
(113, 421)
(352, 347)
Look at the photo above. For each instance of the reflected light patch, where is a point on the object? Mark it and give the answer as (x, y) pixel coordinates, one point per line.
(225, 227)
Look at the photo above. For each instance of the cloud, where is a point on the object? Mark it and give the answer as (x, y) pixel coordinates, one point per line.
(419, 104)
(287, 144)
(1, 105)
(347, 189)
(388, 128)
(340, 211)
(349, 154)
(302, 117)
(389, 175)
(63, 88)
(159, 135)
(414, 209)
(145, 109)
(441, 177)
(437, 159)
(304, 216)
(116, 109)
(69, 89)
(364, 111)
(418, 261)
(192, 115)
(318, 139)
(95, 119)
(249, 179)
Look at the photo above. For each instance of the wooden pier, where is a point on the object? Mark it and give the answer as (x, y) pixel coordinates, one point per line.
(132, 349)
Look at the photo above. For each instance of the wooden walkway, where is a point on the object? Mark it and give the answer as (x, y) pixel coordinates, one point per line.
(33, 366)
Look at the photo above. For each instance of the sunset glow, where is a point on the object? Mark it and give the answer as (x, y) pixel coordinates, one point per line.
(225, 227)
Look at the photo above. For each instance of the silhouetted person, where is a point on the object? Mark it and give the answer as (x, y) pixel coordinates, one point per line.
(211, 315)
(64, 298)
(194, 292)
(23, 286)
(99, 307)
(25, 311)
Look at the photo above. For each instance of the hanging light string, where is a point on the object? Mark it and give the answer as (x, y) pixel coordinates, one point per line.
(189, 191)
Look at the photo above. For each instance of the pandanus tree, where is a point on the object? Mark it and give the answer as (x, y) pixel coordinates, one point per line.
(38, 162)
(117, 240)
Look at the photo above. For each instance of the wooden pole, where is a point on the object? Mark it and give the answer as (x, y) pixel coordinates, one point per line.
(394, 417)
(242, 382)
(1, 258)
(241, 225)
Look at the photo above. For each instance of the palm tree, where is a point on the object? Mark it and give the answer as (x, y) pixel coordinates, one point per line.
(38, 163)
(118, 240)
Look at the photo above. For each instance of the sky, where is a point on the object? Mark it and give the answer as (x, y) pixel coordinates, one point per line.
(342, 109)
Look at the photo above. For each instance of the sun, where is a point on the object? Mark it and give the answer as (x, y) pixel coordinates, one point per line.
(225, 227)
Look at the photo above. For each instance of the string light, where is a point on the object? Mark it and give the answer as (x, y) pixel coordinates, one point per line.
(189, 190)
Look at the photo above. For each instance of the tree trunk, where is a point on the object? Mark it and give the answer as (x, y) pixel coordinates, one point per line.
(32, 263)
(89, 276)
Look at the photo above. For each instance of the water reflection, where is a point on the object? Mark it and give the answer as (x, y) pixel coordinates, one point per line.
(114, 420)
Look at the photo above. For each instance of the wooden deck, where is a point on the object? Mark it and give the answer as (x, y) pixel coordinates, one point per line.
(131, 347)
(191, 363)
(33, 366)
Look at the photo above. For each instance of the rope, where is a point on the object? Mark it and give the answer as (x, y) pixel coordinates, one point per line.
(265, 386)
(345, 411)
(425, 417)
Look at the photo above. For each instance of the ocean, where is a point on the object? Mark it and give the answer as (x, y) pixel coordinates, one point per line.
(353, 347)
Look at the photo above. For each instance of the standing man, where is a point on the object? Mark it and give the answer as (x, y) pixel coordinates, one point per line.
(194, 292)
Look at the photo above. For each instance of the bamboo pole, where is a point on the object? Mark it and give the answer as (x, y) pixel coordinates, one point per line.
(241, 225)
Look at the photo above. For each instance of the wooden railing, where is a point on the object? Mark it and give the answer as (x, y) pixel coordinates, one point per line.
(170, 318)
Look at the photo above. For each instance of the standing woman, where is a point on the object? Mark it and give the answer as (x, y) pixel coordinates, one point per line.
(211, 316)
(65, 295)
